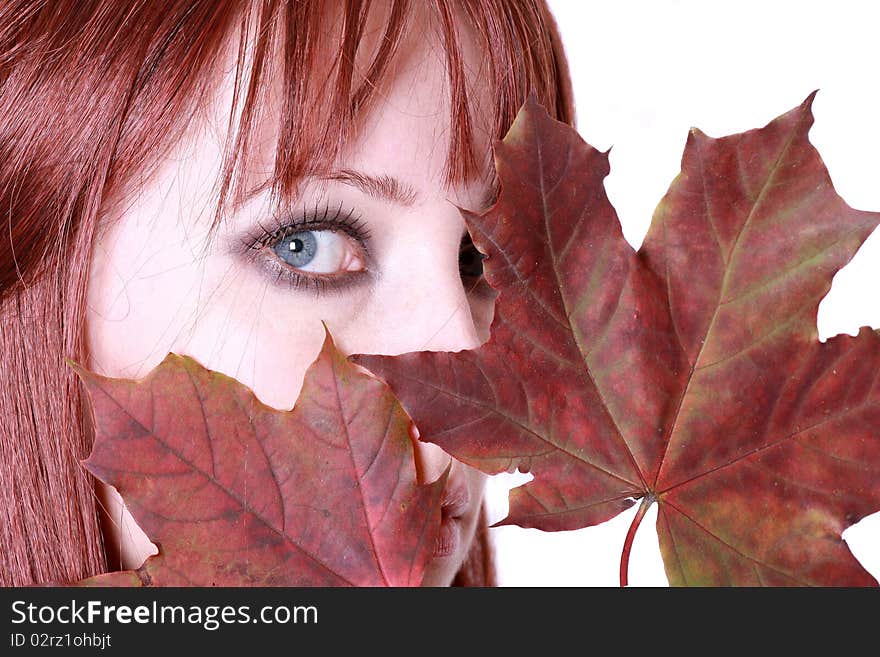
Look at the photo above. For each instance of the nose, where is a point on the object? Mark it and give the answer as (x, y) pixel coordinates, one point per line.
(420, 303)
(435, 314)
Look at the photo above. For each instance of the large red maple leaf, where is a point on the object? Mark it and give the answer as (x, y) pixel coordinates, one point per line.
(236, 493)
(688, 373)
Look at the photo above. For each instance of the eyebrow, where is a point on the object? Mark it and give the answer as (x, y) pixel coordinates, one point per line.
(384, 187)
(389, 188)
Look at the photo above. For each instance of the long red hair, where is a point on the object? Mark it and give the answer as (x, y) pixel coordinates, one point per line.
(92, 94)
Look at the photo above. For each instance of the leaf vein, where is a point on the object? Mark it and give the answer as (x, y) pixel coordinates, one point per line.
(363, 504)
(223, 489)
(706, 338)
(580, 347)
(736, 550)
(505, 418)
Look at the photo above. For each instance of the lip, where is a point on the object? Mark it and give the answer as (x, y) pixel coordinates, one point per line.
(453, 506)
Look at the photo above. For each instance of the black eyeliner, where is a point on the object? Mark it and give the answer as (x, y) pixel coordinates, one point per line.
(317, 219)
(328, 217)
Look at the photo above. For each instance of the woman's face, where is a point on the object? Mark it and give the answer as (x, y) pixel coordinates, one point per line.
(373, 251)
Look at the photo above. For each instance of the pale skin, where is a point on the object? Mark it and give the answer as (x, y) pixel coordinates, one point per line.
(396, 283)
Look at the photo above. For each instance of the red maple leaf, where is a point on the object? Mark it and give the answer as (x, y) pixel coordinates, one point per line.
(688, 373)
(239, 494)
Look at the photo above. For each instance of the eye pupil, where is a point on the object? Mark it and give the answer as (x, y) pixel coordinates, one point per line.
(298, 249)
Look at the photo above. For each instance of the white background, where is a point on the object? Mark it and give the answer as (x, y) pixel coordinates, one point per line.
(644, 72)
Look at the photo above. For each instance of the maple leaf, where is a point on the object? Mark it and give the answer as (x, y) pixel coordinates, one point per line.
(236, 493)
(688, 373)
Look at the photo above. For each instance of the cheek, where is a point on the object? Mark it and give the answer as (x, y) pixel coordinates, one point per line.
(227, 318)
(264, 343)
(139, 297)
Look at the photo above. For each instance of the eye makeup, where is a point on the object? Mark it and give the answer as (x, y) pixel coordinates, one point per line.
(327, 248)
(292, 231)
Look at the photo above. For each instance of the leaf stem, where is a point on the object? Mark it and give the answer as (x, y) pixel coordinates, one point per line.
(647, 500)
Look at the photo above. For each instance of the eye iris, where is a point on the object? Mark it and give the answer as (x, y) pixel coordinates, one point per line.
(298, 249)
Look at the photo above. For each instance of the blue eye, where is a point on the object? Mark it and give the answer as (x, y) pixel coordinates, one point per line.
(327, 252)
(322, 250)
(297, 249)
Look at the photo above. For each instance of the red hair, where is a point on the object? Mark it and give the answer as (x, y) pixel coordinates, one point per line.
(92, 94)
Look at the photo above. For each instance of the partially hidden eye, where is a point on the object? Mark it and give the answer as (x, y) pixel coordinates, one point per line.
(470, 260)
(324, 252)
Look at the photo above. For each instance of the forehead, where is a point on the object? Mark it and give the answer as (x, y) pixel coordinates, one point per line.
(416, 110)
(407, 132)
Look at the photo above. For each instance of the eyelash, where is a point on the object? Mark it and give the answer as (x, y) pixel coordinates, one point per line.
(326, 217)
